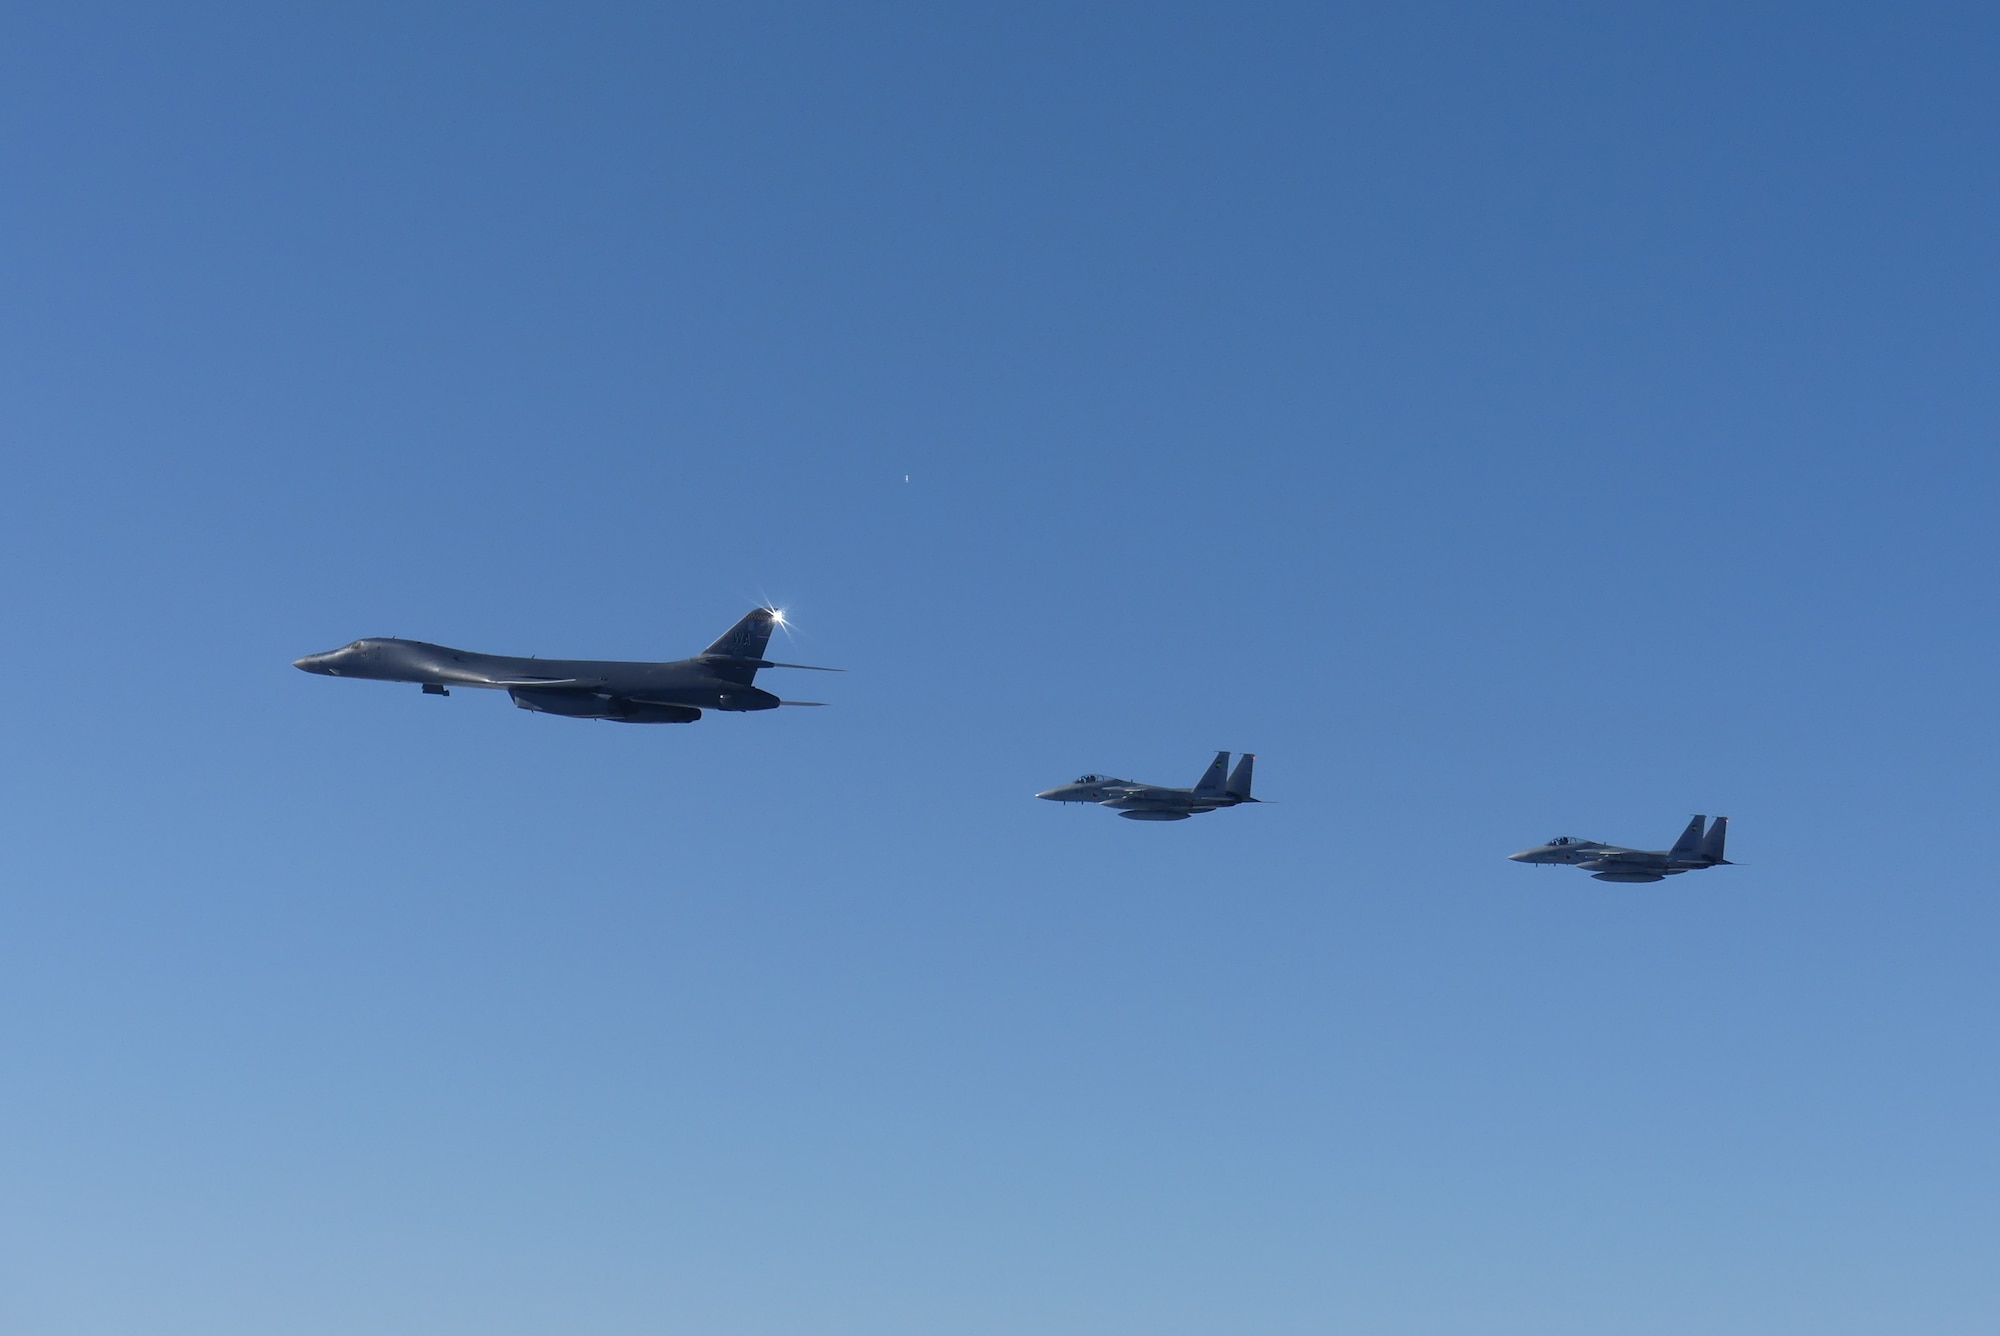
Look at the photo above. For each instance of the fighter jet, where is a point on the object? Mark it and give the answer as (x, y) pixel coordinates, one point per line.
(1149, 802)
(718, 678)
(1614, 862)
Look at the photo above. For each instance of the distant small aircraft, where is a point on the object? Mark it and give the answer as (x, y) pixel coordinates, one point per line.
(1218, 787)
(719, 678)
(1693, 851)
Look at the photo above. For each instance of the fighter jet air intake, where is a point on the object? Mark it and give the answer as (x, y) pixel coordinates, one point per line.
(1614, 862)
(1149, 802)
(721, 677)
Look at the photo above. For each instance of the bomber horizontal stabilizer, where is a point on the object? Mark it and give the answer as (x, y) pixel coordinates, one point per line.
(735, 661)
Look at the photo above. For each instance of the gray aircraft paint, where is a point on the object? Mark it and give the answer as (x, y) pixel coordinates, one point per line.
(1692, 852)
(721, 677)
(1218, 787)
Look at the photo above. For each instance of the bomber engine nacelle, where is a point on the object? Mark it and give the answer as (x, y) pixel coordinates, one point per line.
(651, 712)
(746, 698)
(590, 705)
(569, 704)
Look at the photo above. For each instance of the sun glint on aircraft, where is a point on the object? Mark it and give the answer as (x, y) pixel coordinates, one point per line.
(721, 677)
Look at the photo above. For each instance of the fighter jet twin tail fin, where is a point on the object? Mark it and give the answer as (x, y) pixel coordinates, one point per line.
(1220, 779)
(1711, 843)
(1695, 844)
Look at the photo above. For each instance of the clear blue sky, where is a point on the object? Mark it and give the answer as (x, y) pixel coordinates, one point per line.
(1505, 423)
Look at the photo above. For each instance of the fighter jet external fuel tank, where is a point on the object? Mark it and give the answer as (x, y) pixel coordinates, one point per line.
(721, 677)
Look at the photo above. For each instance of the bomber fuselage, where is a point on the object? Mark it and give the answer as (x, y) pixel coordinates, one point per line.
(589, 688)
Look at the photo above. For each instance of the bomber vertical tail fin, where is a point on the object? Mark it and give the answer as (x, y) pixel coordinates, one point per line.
(1215, 776)
(1239, 778)
(1690, 840)
(745, 640)
(1711, 843)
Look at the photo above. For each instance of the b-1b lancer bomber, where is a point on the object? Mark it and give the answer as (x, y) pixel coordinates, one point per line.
(1693, 851)
(721, 677)
(1219, 787)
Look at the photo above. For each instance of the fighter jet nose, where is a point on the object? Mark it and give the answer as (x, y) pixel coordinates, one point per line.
(303, 662)
(1522, 857)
